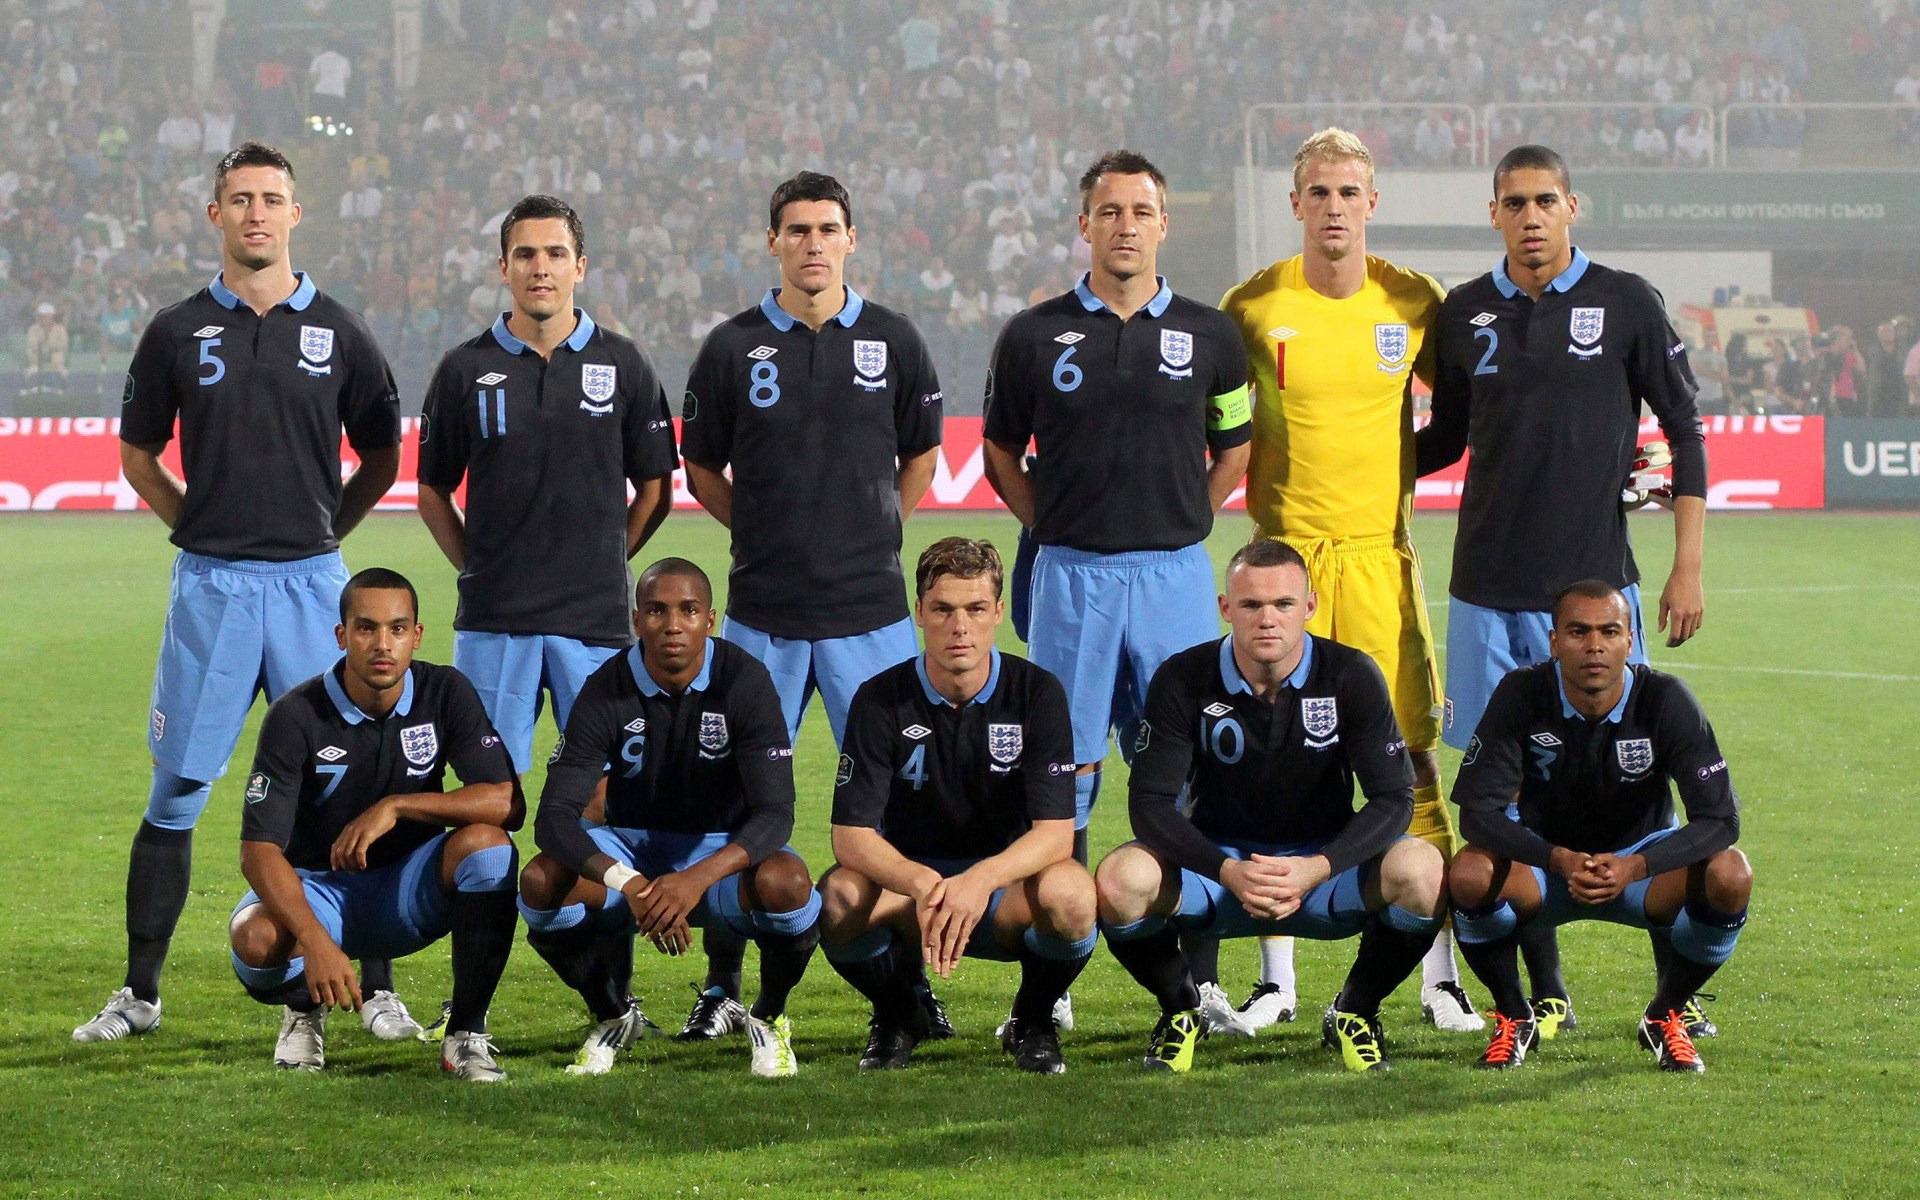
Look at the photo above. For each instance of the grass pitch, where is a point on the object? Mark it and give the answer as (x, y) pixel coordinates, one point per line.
(1808, 665)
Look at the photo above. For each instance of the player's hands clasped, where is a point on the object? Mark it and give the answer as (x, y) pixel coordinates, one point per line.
(1271, 887)
(350, 848)
(330, 976)
(948, 915)
(661, 906)
(1600, 878)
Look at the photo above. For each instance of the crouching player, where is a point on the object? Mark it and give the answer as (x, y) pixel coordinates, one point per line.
(1586, 744)
(953, 821)
(1266, 730)
(344, 837)
(686, 732)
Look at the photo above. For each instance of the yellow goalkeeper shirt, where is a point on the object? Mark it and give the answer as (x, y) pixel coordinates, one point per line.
(1333, 410)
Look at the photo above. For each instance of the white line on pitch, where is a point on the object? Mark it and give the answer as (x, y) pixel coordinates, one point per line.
(1683, 668)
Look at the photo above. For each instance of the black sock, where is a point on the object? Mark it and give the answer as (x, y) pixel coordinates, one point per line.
(1157, 965)
(376, 975)
(1203, 957)
(1385, 959)
(1540, 946)
(1496, 965)
(292, 994)
(1043, 981)
(1663, 956)
(880, 981)
(576, 956)
(910, 966)
(1080, 846)
(158, 872)
(483, 927)
(1681, 977)
(783, 960)
(726, 952)
(614, 949)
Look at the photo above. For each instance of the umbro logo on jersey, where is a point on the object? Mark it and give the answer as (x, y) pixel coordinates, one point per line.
(1281, 334)
(207, 331)
(1483, 320)
(491, 378)
(1070, 337)
(1544, 738)
(1217, 710)
(637, 725)
(762, 353)
(330, 754)
(916, 732)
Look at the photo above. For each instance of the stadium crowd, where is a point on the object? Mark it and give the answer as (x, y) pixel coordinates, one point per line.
(957, 127)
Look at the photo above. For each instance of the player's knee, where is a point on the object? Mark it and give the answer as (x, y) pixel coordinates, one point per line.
(544, 883)
(842, 894)
(1065, 896)
(1729, 880)
(781, 882)
(471, 839)
(257, 940)
(1126, 883)
(1469, 878)
(1426, 768)
(1413, 876)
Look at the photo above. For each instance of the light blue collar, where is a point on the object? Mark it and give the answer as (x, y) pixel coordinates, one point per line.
(303, 292)
(638, 666)
(1234, 681)
(1613, 714)
(576, 341)
(785, 321)
(1563, 282)
(980, 697)
(1092, 303)
(349, 711)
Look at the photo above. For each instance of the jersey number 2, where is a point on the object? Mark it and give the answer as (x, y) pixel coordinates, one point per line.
(1486, 365)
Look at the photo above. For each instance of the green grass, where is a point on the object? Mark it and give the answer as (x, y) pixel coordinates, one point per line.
(1811, 1088)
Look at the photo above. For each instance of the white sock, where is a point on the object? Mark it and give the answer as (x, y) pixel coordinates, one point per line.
(1276, 962)
(1438, 966)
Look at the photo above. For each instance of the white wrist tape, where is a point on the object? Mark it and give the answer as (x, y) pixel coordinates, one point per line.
(617, 876)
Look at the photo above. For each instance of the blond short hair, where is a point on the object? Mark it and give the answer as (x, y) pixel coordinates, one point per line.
(1332, 144)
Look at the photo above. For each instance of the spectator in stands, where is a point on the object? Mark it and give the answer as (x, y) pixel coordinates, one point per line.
(1693, 141)
(327, 78)
(46, 352)
(1886, 389)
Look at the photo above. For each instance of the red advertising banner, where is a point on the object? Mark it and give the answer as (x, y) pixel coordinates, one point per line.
(67, 463)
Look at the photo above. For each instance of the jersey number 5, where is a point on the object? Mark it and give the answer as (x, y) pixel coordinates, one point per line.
(209, 359)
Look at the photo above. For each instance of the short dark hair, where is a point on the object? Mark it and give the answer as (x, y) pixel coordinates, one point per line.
(247, 154)
(809, 185)
(684, 568)
(377, 579)
(1267, 552)
(539, 208)
(1120, 162)
(1532, 158)
(1588, 589)
(966, 558)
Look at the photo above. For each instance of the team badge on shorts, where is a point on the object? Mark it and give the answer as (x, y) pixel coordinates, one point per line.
(257, 785)
(596, 382)
(316, 343)
(158, 725)
(870, 357)
(713, 732)
(1585, 325)
(1635, 756)
(1003, 743)
(1176, 353)
(1390, 343)
(420, 744)
(1321, 716)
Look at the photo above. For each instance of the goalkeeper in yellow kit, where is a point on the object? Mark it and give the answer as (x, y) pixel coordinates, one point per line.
(1334, 337)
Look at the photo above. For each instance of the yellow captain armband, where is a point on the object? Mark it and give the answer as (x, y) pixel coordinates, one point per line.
(1229, 410)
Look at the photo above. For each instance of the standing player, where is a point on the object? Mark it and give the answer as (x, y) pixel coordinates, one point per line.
(1265, 732)
(1126, 389)
(547, 416)
(952, 820)
(1586, 745)
(1334, 337)
(344, 838)
(1542, 366)
(263, 372)
(827, 409)
(686, 735)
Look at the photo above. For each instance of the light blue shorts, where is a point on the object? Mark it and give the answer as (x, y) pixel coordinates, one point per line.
(510, 671)
(388, 913)
(1103, 624)
(1483, 644)
(1558, 907)
(1334, 910)
(235, 629)
(835, 666)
